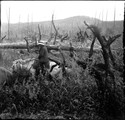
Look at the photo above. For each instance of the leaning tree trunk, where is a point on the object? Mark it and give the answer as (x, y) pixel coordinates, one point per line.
(1, 57)
(1, 40)
(106, 51)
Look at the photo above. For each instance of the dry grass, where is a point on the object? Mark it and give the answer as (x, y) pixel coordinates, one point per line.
(75, 96)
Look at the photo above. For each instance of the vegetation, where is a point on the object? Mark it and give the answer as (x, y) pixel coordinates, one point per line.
(86, 92)
(71, 97)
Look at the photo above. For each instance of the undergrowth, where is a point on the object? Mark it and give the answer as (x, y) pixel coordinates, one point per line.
(75, 96)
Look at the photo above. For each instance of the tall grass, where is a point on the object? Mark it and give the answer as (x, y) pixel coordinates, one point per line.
(74, 96)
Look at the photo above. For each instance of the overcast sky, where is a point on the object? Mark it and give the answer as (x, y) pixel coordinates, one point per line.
(43, 10)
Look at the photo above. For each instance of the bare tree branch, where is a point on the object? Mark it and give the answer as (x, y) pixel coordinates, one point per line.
(56, 61)
(52, 67)
(81, 36)
(97, 33)
(54, 24)
(63, 62)
(107, 55)
(88, 27)
(40, 36)
(9, 24)
(104, 38)
(65, 37)
(85, 34)
(112, 39)
(63, 58)
(27, 44)
(71, 50)
(56, 32)
(50, 38)
(2, 39)
(92, 45)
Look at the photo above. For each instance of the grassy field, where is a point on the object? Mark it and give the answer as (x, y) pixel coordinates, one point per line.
(78, 94)
(75, 96)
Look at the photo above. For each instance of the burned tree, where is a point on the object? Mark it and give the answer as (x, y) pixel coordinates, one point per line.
(1, 57)
(106, 51)
(57, 34)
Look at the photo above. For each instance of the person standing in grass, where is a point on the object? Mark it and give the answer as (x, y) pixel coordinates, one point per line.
(42, 63)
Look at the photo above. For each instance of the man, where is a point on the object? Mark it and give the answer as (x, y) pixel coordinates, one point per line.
(42, 63)
(43, 57)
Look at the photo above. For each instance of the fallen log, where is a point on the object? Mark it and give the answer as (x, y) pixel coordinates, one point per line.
(15, 46)
(50, 47)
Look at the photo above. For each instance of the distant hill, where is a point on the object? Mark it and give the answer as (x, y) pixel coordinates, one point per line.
(69, 25)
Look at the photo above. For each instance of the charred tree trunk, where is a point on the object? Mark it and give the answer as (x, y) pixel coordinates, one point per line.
(1, 57)
(106, 51)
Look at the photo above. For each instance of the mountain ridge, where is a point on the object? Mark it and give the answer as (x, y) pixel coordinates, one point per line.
(68, 24)
(64, 19)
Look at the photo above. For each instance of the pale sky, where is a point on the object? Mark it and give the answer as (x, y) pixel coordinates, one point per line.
(43, 10)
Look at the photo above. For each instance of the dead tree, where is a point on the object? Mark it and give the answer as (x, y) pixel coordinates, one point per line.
(27, 44)
(91, 48)
(2, 39)
(106, 50)
(8, 25)
(64, 37)
(63, 62)
(61, 37)
(1, 57)
(80, 35)
(56, 32)
(40, 36)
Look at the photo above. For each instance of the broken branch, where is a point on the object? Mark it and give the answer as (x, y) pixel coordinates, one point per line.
(2, 39)
(56, 32)
(112, 39)
(40, 36)
(65, 37)
(27, 44)
(95, 30)
(63, 64)
(92, 45)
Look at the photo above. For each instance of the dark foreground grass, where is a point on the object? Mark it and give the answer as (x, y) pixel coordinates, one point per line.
(75, 96)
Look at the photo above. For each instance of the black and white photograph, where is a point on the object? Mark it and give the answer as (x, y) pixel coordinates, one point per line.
(62, 60)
